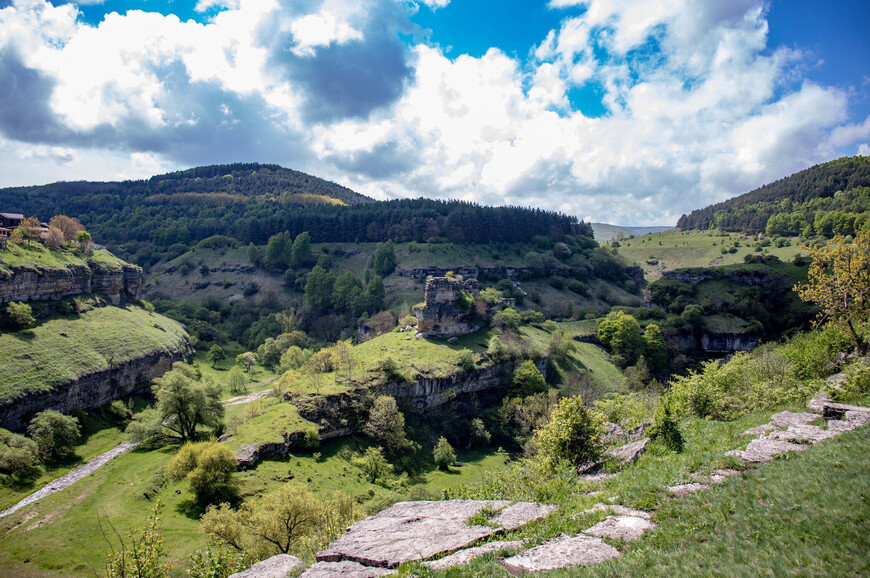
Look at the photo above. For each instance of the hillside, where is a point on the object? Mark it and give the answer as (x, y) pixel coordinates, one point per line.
(825, 199)
(605, 232)
(159, 218)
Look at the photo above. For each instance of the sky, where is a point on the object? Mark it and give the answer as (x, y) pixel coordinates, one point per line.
(630, 112)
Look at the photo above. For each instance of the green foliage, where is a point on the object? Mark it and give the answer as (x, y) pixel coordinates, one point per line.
(526, 380)
(507, 319)
(211, 480)
(236, 380)
(443, 454)
(386, 425)
(573, 435)
(620, 333)
(143, 558)
(218, 562)
(466, 360)
(18, 455)
(375, 295)
(20, 314)
(856, 385)
(319, 288)
(185, 402)
(215, 354)
(628, 410)
(300, 251)
(384, 260)
(373, 466)
(656, 350)
(478, 433)
(665, 427)
(54, 433)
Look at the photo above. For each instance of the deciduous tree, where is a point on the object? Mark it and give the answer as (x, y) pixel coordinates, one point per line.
(54, 433)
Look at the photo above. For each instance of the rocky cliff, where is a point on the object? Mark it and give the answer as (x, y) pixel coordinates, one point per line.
(38, 283)
(95, 388)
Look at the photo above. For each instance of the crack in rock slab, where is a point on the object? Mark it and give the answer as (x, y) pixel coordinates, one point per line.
(683, 490)
(561, 552)
(616, 509)
(274, 567)
(419, 530)
(621, 528)
(345, 569)
(765, 449)
(464, 557)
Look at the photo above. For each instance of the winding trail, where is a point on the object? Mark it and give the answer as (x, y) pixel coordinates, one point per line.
(71, 477)
(256, 396)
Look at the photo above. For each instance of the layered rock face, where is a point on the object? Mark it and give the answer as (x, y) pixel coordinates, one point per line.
(446, 311)
(37, 283)
(94, 389)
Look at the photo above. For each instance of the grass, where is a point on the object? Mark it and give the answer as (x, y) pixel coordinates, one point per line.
(38, 255)
(58, 349)
(675, 248)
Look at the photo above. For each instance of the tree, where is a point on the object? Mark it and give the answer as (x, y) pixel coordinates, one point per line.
(54, 433)
(319, 287)
(215, 354)
(620, 332)
(373, 466)
(507, 319)
(84, 240)
(209, 467)
(838, 281)
(236, 380)
(68, 226)
(53, 238)
(248, 359)
(573, 434)
(30, 228)
(284, 516)
(443, 454)
(18, 455)
(478, 433)
(300, 252)
(656, 348)
(384, 259)
(342, 353)
(376, 294)
(526, 380)
(143, 558)
(185, 401)
(346, 293)
(386, 425)
(21, 314)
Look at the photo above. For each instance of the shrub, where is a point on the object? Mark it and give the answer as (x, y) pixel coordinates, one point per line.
(666, 428)
(54, 433)
(572, 436)
(21, 314)
(443, 454)
(526, 380)
(18, 455)
(466, 360)
(856, 385)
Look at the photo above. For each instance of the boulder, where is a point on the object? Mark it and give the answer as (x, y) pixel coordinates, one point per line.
(561, 552)
(274, 567)
(629, 452)
(787, 418)
(444, 312)
(804, 433)
(463, 557)
(419, 530)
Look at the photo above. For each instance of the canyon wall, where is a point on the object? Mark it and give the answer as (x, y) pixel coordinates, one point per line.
(40, 283)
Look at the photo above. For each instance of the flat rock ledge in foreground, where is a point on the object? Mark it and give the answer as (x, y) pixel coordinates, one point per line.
(274, 567)
(419, 530)
(464, 557)
(343, 569)
(561, 552)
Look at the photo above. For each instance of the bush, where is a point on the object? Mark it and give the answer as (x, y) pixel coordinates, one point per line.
(526, 380)
(21, 314)
(856, 385)
(466, 360)
(443, 454)
(666, 428)
(54, 433)
(209, 467)
(18, 455)
(572, 436)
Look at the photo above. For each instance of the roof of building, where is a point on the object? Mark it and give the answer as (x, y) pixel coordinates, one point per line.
(12, 215)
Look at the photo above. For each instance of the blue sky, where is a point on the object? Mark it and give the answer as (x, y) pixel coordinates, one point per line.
(624, 111)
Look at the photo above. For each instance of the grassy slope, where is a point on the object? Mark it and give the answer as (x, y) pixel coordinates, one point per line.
(37, 254)
(58, 349)
(674, 249)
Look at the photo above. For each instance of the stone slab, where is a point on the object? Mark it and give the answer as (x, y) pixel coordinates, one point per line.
(617, 509)
(760, 429)
(804, 433)
(419, 530)
(274, 567)
(683, 490)
(621, 528)
(463, 557)
(345, 569)
(628, 452)
(764, 449)
(562, 552)
(721, 475)
(787, 418)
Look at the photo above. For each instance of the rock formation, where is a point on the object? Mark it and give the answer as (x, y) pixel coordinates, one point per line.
(448, 308)
(38, 283)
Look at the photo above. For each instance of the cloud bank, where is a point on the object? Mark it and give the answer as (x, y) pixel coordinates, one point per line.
(697, 106)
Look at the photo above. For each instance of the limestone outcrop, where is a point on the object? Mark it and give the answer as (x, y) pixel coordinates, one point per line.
(448, 308)
(38, 283)
(420, 530)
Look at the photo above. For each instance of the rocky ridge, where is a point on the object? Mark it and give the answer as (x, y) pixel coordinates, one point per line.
(39, 283)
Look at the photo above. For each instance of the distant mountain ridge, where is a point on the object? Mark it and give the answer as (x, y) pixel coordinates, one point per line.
(801, 195)
(607, 232)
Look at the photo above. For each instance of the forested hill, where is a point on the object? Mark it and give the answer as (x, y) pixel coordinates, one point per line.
(806, 199)
(143, 221)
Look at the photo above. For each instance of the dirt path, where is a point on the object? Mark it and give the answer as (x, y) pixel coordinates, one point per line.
(248, 398)
(71, 477)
